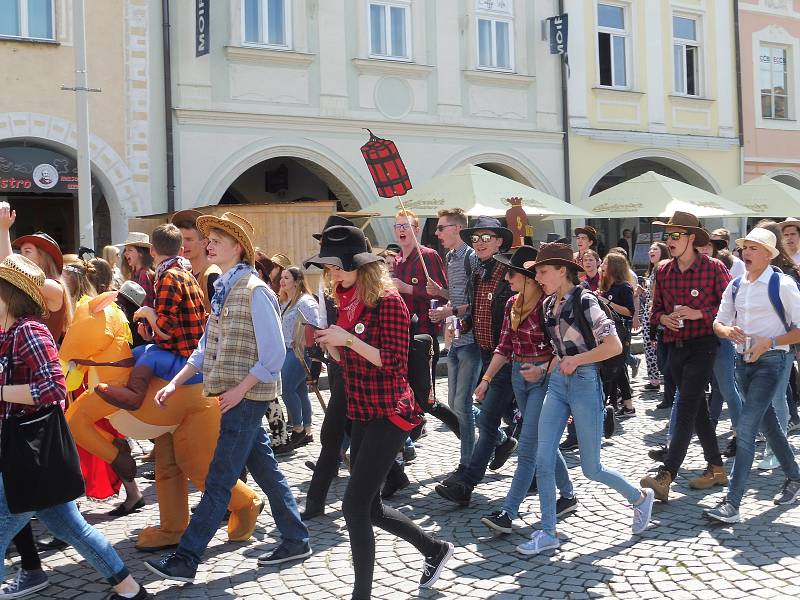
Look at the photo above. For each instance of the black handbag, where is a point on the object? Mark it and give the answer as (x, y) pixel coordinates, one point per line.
(39, 459)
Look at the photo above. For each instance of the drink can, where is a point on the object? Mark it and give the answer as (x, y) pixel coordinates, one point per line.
(456, 328)
(434, 304)
(680, 321)
(748, 345)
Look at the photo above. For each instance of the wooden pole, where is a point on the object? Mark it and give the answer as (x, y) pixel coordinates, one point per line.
(414, 236)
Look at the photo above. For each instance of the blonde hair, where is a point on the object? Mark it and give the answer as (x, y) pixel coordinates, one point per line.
(77, 282)
(411, 216)
(111, 255)
(372, 283)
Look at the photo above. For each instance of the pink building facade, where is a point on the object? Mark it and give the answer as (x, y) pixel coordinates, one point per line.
(770, 52)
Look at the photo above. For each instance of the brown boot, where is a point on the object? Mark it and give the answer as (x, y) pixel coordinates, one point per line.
(659, 483)
(123, 464)
(128, 397)
(713, 475)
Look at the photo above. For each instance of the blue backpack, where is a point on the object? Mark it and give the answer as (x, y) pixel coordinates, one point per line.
(773, 291)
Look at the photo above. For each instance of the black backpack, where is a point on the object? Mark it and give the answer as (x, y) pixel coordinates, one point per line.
(611, 367)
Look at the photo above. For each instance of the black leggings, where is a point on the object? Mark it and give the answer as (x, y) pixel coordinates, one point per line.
(373, 447)
(26, 546)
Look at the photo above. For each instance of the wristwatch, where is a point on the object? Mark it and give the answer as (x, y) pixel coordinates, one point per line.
(349, 342)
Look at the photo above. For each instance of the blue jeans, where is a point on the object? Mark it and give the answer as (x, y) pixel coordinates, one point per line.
(242, 441)
(579, 394)
(295, 391)
(723, 384)
(530, 398)
(164, 364)
(463, 370)
(760, 383)
(496, 402)
(66, 523)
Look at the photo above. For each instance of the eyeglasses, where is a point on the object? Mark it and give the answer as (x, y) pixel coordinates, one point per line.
(676, 235)
(484, 237)
(402, 226)
(443, 227)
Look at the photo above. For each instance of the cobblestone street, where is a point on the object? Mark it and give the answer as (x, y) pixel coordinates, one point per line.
(680, 556)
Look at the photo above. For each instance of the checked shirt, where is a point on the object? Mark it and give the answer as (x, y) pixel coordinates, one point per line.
(180, 311)
(701, 286)
(409, 270)
(380, 392)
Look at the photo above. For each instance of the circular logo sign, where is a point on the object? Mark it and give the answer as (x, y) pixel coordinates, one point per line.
(45, 176)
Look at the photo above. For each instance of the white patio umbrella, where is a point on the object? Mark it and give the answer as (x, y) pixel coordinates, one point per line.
(765, 196)
(478, 192)
(654, 195)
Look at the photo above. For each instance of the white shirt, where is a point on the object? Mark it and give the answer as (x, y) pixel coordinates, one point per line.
(796, 258)
(754, 312)
(738, 269)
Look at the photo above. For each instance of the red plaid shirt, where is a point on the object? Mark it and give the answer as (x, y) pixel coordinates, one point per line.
(528, 339)
(700, 286)
(380, 392)
(409, 270)
(180, 311)
(145, 279)
(482, 307)
(29, 356)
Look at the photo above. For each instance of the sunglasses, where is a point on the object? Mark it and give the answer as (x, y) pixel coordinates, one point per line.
(443, 227)
(676, 235)
(484, 237)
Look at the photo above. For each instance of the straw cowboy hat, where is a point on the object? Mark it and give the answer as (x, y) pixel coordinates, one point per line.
(524, 255)
(23, 273)
(188, 215)
(344, 247)
(44, 243)
(763, 237)
(137, 238)
(281, 260)
(687, 221)
(235, 226)
(556, 254)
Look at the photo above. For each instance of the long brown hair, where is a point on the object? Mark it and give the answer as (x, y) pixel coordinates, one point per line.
(617, 271)
(302, 287)
(662, 248)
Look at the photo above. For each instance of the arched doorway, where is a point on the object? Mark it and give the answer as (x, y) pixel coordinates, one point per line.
(41, 185)
(611, 230)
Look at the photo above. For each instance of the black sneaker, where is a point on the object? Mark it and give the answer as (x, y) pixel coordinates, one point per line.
(300, 438)
(458, 493)
(564, 506)
(664, 404)
(310, 465)
(609, 422)
(455, 476)
(730, 449)
(393, 484)
(433, 565)
(173, 567)
(651, 387)
(569, 443)
(498, 521)
(140, 595)
(283, 449)
(284, 553)
(625, 413)
(502, 453)
(658, 454)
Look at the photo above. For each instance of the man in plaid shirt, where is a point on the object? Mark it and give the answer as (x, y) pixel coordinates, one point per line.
(686, 297)
(175, 324)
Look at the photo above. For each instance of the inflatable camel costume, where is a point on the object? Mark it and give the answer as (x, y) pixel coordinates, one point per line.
(185, 431)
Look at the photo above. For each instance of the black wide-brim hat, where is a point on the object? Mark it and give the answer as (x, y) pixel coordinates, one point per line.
(524, 255)
(558, 255)
(344, 247)
(333, 221)
(488, 224)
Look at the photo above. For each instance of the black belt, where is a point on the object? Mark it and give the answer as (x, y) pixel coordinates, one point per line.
(695, 341)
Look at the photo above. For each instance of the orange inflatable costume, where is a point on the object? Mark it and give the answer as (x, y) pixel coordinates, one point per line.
(185, 431)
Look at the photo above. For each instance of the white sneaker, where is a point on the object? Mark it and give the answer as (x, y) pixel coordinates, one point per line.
(540, 542)
(642, 512)
(769, 462)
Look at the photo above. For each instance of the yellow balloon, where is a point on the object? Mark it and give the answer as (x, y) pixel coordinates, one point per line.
(73, 374)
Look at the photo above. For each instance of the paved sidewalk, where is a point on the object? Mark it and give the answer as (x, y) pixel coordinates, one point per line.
(680, 556)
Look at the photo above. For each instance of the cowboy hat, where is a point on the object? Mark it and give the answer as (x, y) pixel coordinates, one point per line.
(133, 292)
(790, 221)
(44, 243)
(524, 255)
(687, 221)
(23, 273)
(188, 215)
(761, 236)
(488, 224)
(235, 226)
(281, 260)
(331, 222)
(136, 238)
(556, 254)
(344, 247)
(588, 230)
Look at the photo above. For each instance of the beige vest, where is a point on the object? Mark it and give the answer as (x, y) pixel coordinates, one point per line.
(231, 348)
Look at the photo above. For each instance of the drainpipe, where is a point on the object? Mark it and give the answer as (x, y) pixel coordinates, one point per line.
(565, 126)
(740, 122)
(168, 106)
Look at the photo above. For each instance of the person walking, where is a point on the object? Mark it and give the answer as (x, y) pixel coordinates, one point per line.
(370, 340)
(240, 356)
(749, 317)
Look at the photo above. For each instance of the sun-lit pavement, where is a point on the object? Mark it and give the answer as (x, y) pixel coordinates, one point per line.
(680, 556)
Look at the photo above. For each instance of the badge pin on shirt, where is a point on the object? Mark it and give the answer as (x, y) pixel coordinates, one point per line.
(695, 293)
(414, 280)
(489, 296)
(359, 328)
(225, 312)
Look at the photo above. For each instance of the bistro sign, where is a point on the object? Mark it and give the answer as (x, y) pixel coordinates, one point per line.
(36, 170)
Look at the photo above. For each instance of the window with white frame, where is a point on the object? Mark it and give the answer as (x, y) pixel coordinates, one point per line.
(266, 23)
(686, 55)
(612, 45)
(495, 28)
(774, 78)
(390, 29)
(31, 19)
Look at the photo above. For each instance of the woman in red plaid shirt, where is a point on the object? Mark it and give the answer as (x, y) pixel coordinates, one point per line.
(370, 340)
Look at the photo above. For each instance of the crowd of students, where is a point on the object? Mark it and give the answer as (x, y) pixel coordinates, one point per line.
(537, 339)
